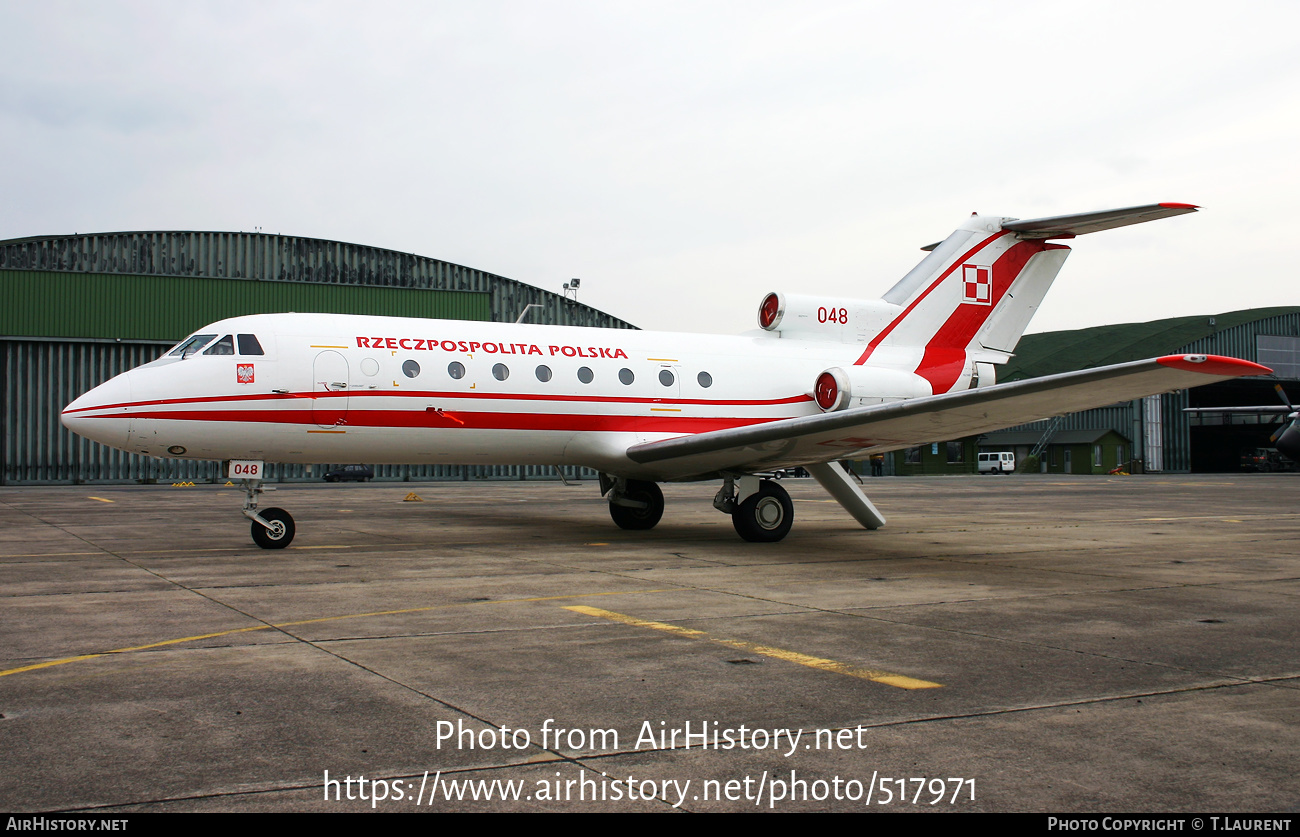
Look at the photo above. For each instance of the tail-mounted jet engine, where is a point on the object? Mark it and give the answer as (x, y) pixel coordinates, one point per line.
(858, 386)
(825, 318)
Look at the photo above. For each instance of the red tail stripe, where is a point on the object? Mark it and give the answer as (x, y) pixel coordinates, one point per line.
(884, 332)
(945, 354)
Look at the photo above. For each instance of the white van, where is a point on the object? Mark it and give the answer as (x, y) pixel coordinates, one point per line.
(998, 462)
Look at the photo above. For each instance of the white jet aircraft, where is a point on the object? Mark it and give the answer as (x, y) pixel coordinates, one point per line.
(823, 379)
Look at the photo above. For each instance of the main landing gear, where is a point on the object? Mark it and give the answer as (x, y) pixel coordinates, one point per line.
(760, 509)
(634, 504)
(272, 528)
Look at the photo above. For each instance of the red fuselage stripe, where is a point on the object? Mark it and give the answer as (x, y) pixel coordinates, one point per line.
(491, 396)
(456, 419)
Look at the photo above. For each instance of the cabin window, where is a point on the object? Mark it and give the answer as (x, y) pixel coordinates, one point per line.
(456, 370)
(500, 372)
(410, 369)
(666, 377)
(191, 345)
(248, 345)
(224, 346)
(705, 379)
(586, 375)
(625, 375)
(543, 373)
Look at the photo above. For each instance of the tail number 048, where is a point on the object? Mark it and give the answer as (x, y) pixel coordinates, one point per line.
(833, 315)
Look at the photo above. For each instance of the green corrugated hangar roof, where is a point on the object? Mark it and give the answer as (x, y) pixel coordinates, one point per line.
(1066, 351)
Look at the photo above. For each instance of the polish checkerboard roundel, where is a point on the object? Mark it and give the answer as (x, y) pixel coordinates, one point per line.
(977, 284)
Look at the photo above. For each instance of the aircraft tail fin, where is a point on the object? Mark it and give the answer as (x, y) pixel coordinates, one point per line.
(976, 291)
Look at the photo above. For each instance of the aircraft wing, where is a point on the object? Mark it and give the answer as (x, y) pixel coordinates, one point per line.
(852, 433)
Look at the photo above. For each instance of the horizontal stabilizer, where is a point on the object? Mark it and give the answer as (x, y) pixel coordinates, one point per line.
(1090, 222)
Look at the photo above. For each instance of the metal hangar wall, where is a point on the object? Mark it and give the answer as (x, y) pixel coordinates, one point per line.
(79, 309)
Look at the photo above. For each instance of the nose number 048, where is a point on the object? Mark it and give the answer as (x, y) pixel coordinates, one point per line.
(244, 469)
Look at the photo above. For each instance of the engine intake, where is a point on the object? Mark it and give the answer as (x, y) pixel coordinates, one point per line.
(825, 318)
(860, 386)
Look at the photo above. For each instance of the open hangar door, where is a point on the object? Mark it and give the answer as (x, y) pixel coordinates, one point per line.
(1230, 442)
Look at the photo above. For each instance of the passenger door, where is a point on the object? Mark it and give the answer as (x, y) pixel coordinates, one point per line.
(330, 389)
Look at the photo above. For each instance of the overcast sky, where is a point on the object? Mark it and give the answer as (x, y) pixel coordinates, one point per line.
(682, 159)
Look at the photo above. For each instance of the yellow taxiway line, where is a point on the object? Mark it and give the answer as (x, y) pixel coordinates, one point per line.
(888, 678)
(65, 660)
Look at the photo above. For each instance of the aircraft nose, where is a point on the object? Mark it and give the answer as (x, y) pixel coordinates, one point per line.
(101, 414)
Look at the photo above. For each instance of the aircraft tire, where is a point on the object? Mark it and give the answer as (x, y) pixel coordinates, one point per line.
(267, 539)
(647, 518)
(766, 516)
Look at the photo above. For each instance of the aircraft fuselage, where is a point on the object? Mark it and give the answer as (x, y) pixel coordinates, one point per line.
(335, 388)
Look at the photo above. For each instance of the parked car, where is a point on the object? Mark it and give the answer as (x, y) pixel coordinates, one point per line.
(1265, 460)
(997, 462)
(359, 473)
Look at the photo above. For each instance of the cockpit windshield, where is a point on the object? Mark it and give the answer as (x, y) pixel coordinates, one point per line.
(224, 346)
(192, 345)
(249, 345)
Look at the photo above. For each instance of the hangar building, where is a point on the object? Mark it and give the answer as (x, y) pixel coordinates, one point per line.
(80, 309)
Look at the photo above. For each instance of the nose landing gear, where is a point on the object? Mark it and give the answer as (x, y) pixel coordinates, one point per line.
(272, 528)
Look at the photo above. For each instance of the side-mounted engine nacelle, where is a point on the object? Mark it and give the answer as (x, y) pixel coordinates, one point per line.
(825, 318)
(859, 386)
